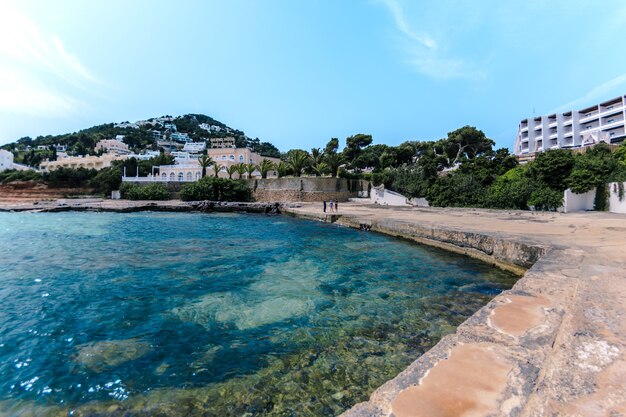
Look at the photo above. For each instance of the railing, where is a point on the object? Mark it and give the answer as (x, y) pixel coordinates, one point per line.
(156, 178)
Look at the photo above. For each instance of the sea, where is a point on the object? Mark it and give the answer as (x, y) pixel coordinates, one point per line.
(189, 314)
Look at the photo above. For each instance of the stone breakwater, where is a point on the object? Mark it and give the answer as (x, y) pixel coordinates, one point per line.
(126, 206)
(552, 345)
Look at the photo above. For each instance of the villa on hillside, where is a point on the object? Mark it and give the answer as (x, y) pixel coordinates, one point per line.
(115, 146)
(88, 162)
(188, 168)
(604, 122)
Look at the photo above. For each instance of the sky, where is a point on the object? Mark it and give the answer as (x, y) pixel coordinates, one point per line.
(297, 73)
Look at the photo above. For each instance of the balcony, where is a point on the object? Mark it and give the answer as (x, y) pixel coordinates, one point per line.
(588, 117)
(612, 123)
(618, 108)
(539, 126)
(552, 124)
(553, 135)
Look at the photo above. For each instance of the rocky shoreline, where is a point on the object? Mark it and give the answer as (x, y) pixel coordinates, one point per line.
(128, 206)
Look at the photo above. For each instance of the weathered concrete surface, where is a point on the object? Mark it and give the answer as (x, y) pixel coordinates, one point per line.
(553, 345)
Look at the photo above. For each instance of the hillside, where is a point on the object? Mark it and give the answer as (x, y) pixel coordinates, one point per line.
(138, 136)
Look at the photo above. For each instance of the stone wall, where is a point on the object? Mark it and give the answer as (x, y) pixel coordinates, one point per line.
(307, 189)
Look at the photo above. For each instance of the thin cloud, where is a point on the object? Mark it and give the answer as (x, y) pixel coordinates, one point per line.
(38, 75)
(398, 16)
(424, 53)
(601, 92)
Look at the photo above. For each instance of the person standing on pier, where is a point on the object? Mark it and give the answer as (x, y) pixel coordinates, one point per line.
(324, 206)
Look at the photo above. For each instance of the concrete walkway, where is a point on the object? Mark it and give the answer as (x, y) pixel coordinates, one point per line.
(554, 345)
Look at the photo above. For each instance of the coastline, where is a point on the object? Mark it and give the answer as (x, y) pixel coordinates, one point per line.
(552, 345)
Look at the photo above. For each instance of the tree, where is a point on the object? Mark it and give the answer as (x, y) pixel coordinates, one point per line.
(265, 167)
(205, 162)
(217, 168)
(552, 168)
(250, 168)
(231, 169)
(282, 169)
(464, 143)
(241, 169)
(334, 161)
(316, 156)
(320, 168)
(332, 146)
(298, 160)
(354, 146)
(592, 169)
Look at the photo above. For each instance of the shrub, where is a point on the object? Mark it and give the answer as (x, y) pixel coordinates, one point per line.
(150, 192)
(511, 190)
(107, 180)
(546, 198)
(11, 175)
(215, 189)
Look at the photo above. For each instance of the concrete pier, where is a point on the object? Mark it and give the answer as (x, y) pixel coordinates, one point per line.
(553, 345)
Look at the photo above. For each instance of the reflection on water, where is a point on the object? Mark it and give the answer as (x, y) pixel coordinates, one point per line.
(187, 314)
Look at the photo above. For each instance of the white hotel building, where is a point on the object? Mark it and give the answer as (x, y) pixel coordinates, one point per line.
(604, 122)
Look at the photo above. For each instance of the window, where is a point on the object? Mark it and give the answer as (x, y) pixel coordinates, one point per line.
(164, 176)
(198, 175)
(609, 108)
(189, 176)
(232, 157)
(240, 158)
(611, 134)
(610, 121)
(181, 176)
(172, 176)
(223, 157)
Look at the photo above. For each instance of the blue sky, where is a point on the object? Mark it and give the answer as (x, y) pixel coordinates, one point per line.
(297, 73)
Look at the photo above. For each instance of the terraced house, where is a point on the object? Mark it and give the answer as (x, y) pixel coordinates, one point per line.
(604, 122)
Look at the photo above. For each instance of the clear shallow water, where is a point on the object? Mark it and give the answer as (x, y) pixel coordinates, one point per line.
(143, 314)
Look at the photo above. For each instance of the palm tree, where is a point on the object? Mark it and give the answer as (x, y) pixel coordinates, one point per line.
(281, 169)
(241, 169)
(316, 156)
(231, 169)
(298, 160)
(205, 162)
(320, 168)
(265, 167)
(217, 167)
(334, 160)
(250, 168)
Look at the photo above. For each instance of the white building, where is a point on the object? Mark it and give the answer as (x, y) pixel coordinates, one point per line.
(188, 168)
(114, 146)
(125, 125)
(604, 122)
(89, 162)
(6, 160)
(180, 137)
(194, 147)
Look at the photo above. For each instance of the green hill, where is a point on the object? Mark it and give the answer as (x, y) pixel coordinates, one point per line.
(138, 136)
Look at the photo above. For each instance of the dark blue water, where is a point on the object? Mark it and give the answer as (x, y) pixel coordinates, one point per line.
(191, 314)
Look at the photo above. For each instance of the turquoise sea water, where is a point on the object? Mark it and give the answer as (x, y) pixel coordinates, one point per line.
(169, 314)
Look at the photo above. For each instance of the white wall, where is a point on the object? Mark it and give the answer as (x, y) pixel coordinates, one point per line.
(384, 197)
(578, 202)
(615, 205)
(6, 160)
(419, 202)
